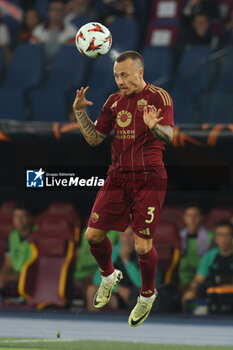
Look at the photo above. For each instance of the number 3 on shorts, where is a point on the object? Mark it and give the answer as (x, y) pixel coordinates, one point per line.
(150, 212)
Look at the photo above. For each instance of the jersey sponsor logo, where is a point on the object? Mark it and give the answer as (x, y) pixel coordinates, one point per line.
(163, 94)
(141, 103)
(145, 232)
(124, 118)
(125, 134)
(94, 217)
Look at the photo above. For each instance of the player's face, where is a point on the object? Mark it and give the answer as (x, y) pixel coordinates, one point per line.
(128, 76)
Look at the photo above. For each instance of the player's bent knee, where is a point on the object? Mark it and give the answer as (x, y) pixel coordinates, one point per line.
(141, 250)
(143, 246)
(93, 235)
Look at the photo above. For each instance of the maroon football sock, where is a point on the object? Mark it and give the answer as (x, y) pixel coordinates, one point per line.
(148, 268)
(102, 253)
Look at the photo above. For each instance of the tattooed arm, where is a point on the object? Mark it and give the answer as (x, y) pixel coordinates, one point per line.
(163, 132)
(151, 119)
(87, 127)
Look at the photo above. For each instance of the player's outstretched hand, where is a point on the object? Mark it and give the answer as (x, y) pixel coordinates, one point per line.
(80, 101)
(151, 116)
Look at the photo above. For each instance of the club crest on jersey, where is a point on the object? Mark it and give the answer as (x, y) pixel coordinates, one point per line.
(94, 217)
(123, 118)
(141, 103)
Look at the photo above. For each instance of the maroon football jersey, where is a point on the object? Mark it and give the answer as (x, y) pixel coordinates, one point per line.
(134, 147)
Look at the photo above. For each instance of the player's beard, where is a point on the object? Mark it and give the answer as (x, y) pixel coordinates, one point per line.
(130, 92)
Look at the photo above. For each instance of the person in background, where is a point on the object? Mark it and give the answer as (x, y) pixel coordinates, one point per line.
(193, 7)
(5, 41)
(199, 33)
(19, 250)
(216, 266)
(231, 218)
(226, 39)
(54, 33)
(124, 258)
(31, 20)
(195, 241)
(79, 8)
(121, 8)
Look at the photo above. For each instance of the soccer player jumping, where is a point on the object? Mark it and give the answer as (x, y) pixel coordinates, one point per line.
(141, 115)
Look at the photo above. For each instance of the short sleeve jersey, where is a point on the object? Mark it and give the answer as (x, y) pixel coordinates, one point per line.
(134, 147)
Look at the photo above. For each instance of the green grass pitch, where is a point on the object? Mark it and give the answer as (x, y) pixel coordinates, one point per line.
(37, 344)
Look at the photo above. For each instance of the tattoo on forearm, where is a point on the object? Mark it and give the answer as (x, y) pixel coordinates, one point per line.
(87, 127)
(162, 133)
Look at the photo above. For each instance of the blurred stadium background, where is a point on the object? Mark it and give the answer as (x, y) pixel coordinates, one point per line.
(38, 129)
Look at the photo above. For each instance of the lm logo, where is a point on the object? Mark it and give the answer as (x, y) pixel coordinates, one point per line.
(35, 178)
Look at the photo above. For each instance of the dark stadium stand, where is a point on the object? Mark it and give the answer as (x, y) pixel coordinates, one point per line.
(42, 8)
(166, 9)
(27, 67)
(193, 70)
(6, 227)
(6, 208)
(66, 209)
(9, 110)
(216, 107)
(1, 63)
(201, 71)
(49, 105)
(81, 20)
(25, 72)
(215, 215)
(68, 70)
(167, 243)
(184, 107)
(101, 68)
(158, 65)
(162, 33)
(62, 210)
(225, 78)
(52, 255)
(118, 28)
(173, 214)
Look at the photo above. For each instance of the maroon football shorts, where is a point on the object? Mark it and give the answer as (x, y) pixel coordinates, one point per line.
(136, 194)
